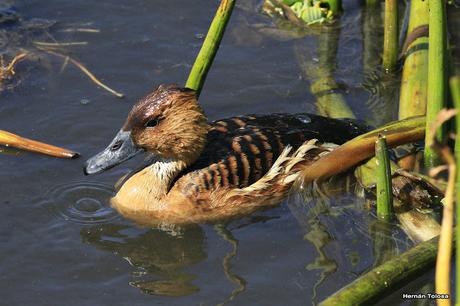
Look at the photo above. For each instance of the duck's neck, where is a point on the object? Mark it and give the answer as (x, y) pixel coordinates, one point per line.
(160, 175)
(147, 189)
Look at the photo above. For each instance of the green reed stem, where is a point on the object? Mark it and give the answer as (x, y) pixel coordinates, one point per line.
(335, 6)
(413, 91)
(455, 90)
(390, 40)
(437, 81)
(210, 46)
(384, 188)
(367, 288)
(413, 94)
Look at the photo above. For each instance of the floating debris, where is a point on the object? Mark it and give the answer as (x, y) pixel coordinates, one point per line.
(59, 45)
(33, 38)
(80, 30)
(299, 12)
(84, 101)
(86, 71)
(200, 35)
(6, 72)
(12, 140)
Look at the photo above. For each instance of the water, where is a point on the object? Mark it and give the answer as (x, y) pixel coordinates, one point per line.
(81, 202)
(60, 239)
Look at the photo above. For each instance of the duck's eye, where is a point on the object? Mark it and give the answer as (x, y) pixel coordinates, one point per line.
(152, 123)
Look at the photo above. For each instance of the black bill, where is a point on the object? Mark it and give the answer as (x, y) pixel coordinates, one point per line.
(120, 149)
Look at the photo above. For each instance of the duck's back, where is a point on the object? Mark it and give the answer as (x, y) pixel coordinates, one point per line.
(240, 150)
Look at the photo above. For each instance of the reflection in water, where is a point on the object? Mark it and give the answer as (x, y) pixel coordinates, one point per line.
(154, 254)
(382, 88)
(9, 151)
(343, 230)
(372, 33)
(238, 280)
(319, 237)
(384, 245)
(319, 67)
(81, 202)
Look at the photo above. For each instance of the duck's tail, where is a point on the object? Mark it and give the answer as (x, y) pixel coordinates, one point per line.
(275, 184)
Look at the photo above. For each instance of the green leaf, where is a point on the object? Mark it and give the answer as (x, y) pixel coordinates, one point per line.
(291, 2)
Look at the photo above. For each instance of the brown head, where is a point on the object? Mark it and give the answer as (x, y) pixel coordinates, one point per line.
(168, 123)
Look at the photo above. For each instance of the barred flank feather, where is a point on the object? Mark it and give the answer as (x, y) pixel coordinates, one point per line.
(278, 180)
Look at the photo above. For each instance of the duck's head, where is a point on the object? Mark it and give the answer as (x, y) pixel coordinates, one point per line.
(167, 123)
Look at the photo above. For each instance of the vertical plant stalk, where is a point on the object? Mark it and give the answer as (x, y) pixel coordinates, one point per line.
(455, 89)
(436, 75)
(384, 188)
(335, 6)
(210, 46)
(443, 262)
(413, 93)
(413, 97)
(390, 39)
(442, 279)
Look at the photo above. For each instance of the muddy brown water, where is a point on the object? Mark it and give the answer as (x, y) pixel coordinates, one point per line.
(61, 243)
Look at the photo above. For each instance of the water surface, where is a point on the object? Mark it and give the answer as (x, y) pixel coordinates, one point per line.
(62, 243)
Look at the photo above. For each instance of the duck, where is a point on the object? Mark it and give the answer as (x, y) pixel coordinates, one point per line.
(196, 171)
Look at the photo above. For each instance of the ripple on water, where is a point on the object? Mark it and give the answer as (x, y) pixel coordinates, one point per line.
(81, 202)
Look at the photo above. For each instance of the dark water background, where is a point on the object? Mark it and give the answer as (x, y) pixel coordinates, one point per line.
(61, 244)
